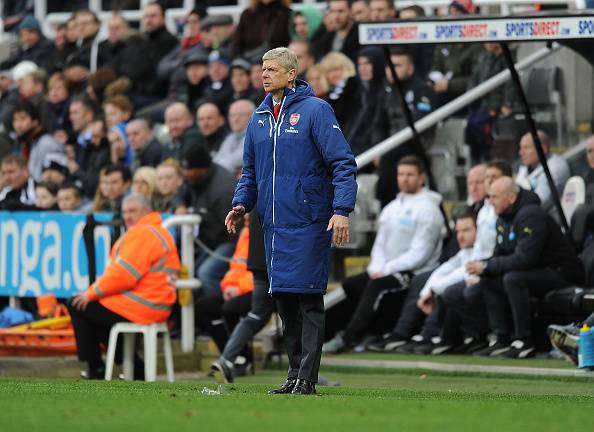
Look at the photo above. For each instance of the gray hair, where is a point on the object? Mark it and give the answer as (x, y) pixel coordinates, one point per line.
(138, 198)
(286, 58)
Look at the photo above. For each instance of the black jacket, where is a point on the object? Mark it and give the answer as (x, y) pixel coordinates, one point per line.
(83, 54)
(43, 54)
(150, 155)
(158, 44)
(128, 58)
(93, 159)
(343, 99)
(350, 47)
(528, 238)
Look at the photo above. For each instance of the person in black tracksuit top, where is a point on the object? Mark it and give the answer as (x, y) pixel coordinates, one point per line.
(262, 304)
(532, 257)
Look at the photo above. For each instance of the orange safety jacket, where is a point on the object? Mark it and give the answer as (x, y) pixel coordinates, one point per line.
(138, 282)
(238, 275)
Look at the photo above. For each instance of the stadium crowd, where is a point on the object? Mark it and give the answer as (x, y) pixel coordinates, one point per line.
(86, 119)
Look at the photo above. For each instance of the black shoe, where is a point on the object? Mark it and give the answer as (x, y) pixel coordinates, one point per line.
(565, 339)
(409, 347)
(495, 348)
(221, 372)
(304, 387)
(443, 348)
(388, 343)
(471, 344)
(520, 349)
(286, 388)
(93, 374)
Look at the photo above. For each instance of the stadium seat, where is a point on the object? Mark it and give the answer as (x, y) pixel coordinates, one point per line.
(150, 333)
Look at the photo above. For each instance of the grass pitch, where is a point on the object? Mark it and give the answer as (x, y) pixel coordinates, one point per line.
(367, 400)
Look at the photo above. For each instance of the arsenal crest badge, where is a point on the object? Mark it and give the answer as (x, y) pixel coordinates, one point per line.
(294, 119)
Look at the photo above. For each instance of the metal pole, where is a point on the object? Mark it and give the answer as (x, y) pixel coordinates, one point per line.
(416, 137)
(542, 157)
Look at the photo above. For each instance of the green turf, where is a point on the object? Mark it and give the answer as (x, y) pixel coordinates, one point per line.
(364, 402)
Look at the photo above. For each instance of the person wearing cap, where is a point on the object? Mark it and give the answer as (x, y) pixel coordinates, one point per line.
(33, 141)
(219, 90)
(217, 32)
(33, 47)
(240, 81)
(55, 169)
(210, 188)
(196, 79)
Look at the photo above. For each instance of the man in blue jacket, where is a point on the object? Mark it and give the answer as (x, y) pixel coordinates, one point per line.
(300, 172)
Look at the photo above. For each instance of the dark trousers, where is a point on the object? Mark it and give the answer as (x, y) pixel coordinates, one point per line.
(303, 332)
(465, 313)
(261, 308)
(218, 317)
(507, 299)
(372, 293)
(91, 328)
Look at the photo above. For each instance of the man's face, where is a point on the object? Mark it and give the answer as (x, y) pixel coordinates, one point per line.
(209, 119)
(5, 83)
(79, 116)
(475, 183)
(86, 24)
(117, 30)
(218, 71)
(58, 92)
(177, 121)
(404, 68)
(192, 27)
(43, 198)
(407, 14)
(360, 11)
(301, 27)
(167, 180)
(256, 76)
(590, 152)
(465, 232)
(196, 72)
(28, 87)
(132, 212)
(410, 180)
(23, 123)
(138, 135)
(13, 175)
(365, 69)
(113, 186)
(275, 77)
(114, 115)
(380, 10)
(195, 176)
(53, 176)
(491, 174)
(500, 199)
(239, 116)
(68, 200)
(341, 13)
(528, 154)
(29, 38)
(152, 19)
(240, 79)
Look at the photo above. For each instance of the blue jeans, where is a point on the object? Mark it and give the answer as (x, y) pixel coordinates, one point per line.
(211, 270)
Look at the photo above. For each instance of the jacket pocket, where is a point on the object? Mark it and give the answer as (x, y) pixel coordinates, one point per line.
(318, 197)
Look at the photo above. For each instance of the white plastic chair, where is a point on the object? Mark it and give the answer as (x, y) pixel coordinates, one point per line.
(574, 194)
(150, 333)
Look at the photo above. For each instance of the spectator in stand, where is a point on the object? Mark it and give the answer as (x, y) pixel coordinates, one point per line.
(9, 97)
(270, 18)
(371, 73)
(478, 134)
(88, 55)
(31, 88)
(218, 90)
(33, 46)
(240, 80)
(408, 242)
(589, 173)
(304, 52)
(147, 150)
(114, 183)
(475, 185)
(82, 114)
(18, 192)
(182, 132)
(130, 287)
(32, 140)
(316, 78)
(389, 119)
(344, 88)
(256, 77)
(382, 10)
(211, 189)
(69, 198)
(70, 39)
(95, 156)
(230, 154)
(305, 23)
(58, 96)
(421, 53)
(117, 110)
(170, 180)
(196, 80)
(144, 182)
(120, 150)
(218, 32)
(531, 172)
(360, 11)
(55, 169)
(98, 83)
(531, 258)
(345, 37)
(159, 43)
(46, 196)
(211, 124)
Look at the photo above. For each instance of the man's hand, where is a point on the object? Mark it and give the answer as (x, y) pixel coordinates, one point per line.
(230, 292)
(425, 303)
(475, 268)
(233, 217)
(472, 280)
(440, 86)
(80, 301)
(376, 275)
(340, 225)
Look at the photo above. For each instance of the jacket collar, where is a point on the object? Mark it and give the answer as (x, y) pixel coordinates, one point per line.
(153, 218)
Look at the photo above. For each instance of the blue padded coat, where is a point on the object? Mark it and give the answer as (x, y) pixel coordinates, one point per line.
(300, 171)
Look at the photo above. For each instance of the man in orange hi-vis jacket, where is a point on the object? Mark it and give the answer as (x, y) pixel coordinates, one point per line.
(138, 285)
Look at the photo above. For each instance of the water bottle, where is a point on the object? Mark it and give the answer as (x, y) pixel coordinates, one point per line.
(586, 347)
